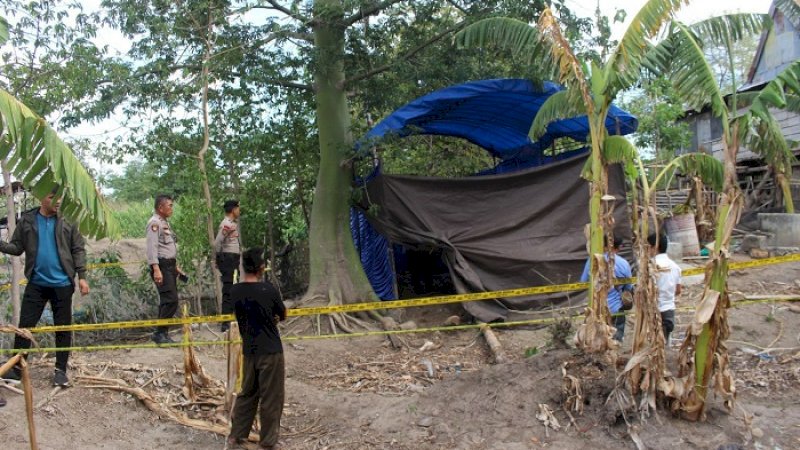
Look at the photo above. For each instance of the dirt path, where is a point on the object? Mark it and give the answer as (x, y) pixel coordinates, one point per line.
(358, 393)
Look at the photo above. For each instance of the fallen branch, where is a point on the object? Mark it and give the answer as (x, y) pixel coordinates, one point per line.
(12, 388)
(777, 298)
(494, 345)
(161, 410)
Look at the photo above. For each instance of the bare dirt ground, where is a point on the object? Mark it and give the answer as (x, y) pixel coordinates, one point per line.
(359, 393)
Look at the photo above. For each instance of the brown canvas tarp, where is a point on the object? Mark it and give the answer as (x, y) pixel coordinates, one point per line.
(500, 231)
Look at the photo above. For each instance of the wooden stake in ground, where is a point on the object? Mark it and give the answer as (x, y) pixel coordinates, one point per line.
(188, 383)
(192, 370)
(234, 356)
(494, 345)
(28, 387)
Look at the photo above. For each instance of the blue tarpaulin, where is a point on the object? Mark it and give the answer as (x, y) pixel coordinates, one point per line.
(493, 114)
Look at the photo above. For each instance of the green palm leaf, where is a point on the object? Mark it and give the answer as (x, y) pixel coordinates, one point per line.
(523, 40)
(774, 94)
(702, 165)
(627, 58)
(767, 140)
(38, 157)
(3, 31)
(561, 105)
(691, 75)
(730, 28)
(616, 150)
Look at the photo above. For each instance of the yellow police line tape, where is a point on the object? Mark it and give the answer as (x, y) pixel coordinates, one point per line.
(392, 304)
(544, 321)
(93, 266)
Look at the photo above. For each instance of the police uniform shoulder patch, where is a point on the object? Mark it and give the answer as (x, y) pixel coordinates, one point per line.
(154, 227)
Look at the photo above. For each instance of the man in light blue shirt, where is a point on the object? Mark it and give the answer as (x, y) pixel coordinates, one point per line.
(621, 270)
(55, 255)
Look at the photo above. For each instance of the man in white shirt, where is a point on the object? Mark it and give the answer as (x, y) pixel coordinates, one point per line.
(668, 281)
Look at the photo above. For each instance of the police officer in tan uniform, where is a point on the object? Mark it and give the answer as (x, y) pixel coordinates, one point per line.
(162, 252)
(228, 249)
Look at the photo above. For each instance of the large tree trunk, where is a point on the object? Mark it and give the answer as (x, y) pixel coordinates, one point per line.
(336, 272)
(16, 265)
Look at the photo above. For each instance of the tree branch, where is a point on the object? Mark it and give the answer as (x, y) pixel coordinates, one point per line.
(281, 82)
(367, 11)
(278, 7)
(408, 55)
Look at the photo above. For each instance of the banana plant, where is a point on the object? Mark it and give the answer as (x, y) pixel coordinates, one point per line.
(704, 356)
(590, 90)
(35, 155)
(645, 371)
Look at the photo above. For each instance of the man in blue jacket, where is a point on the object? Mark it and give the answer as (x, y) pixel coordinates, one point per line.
(621, 270)
(54, 254)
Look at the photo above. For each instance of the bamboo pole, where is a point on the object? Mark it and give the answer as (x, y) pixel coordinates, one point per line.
(28, 388)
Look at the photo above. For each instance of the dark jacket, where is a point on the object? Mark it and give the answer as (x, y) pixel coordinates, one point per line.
(69, 242)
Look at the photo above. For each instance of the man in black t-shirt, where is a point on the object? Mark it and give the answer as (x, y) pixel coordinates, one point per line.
(258, 308)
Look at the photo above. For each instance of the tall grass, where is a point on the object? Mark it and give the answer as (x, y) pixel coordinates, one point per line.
(132, 217)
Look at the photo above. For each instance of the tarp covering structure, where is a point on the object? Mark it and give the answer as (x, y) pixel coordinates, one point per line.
(498, 232)
(521, 227)
(495, 115)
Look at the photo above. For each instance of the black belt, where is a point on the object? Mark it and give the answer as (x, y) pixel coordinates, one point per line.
(167, 261)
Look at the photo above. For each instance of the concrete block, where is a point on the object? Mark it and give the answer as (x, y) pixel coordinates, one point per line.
(785, 229)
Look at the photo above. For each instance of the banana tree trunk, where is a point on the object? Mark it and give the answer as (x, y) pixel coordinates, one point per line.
(16, 265)
(704, 355)
(648, 349)
(595, 334)
(336, 272)
(786, 191)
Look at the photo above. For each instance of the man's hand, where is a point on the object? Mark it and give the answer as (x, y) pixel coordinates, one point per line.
(157, 276)
(83, 286)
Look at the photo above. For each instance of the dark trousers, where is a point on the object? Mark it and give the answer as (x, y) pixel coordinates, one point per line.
(227, 263)
(262, 391)
(619, 324)
(167, 292)
(668, 323)
(33, 303)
